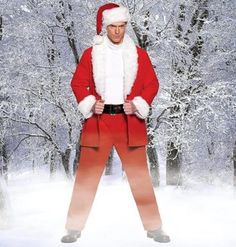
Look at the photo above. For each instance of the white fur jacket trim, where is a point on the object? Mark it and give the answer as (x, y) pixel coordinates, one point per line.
(130, 58)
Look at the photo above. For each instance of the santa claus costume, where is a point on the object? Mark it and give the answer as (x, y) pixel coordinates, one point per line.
(113, 73)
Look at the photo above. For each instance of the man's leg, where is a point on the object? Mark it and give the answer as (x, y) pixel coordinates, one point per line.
(91, 165)
(135, 165)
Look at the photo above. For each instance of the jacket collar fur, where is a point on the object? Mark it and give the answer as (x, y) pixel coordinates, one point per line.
(130, 59)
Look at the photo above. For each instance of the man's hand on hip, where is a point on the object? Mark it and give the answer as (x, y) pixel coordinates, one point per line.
(98, 107)
(129, 107)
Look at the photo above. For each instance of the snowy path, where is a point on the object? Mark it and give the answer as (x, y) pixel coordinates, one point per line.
(193, 217)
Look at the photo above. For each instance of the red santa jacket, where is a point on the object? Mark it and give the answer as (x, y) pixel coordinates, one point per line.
(140, 85)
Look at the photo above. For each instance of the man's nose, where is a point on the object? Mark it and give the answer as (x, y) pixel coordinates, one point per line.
(117, 30)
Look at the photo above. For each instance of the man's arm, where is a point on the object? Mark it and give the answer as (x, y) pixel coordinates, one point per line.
(150, 89)
(80, 84)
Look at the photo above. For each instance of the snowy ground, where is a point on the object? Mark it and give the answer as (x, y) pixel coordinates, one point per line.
(203, 216)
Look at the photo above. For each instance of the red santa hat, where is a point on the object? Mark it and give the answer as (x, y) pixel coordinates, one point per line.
(108, 14)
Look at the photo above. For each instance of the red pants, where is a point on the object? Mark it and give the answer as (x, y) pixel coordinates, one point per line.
(113, 131)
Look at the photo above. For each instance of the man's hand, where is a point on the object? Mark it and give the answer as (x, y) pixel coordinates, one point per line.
(98, 107)
(129, 107)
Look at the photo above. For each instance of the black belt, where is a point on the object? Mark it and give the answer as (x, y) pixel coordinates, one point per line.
(113, 109)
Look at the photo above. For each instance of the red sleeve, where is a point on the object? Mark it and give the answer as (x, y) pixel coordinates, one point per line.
(150, 81)
(81, 79)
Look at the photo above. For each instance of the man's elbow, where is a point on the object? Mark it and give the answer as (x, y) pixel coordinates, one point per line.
(156, 86)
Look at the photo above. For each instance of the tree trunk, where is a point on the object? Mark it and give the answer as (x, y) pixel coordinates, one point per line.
(77, 156)
(143, 42)
(53, 165)
(152, 154)
(108, 170)
(234, 162)
(3, 192)
(1, 27)
(3, 207)
(141, 35)
(53, 153)
(70, 30)
(173, 165)
(4, 162)
(173, 161)
(154, 166)
(2, 197)
(52, 53)
(66, 162)
(183, 70)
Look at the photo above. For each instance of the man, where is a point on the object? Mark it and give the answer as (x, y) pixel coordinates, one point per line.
(114, 84)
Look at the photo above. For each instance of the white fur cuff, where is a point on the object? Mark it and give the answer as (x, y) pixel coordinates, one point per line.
(142, 107)
(85, 106)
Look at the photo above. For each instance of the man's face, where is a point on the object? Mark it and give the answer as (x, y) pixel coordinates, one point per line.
(116, 32)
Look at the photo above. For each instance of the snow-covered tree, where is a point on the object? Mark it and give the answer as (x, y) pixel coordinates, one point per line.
(192, 48)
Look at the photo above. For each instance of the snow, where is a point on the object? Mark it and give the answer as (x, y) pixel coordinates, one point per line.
(198, 216)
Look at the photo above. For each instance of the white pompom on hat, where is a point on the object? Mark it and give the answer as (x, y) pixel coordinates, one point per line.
(107, 14)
